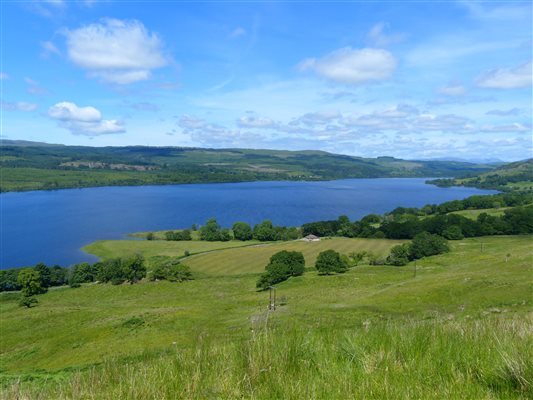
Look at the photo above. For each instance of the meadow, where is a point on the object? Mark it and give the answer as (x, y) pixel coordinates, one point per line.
(460, 327)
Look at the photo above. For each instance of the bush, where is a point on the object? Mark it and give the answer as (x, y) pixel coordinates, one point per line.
(178, 235)
(399, 255)
(426, 244)
(329, 262)
(171, 270)
(27, 301)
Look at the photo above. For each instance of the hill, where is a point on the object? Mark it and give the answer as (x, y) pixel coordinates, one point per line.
(460, 328)
(516, 176)
(28, 166)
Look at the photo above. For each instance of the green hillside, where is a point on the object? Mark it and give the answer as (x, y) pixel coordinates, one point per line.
(33, 167)
(516, 176)
(461, 328)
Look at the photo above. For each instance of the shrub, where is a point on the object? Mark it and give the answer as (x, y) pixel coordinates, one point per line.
(329, 262)
(27, 301)
(399, 255)
(426, 244)
(171, 270)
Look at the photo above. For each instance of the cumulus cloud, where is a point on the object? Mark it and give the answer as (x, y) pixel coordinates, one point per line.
(190, 122)
(83, 120)
(507, 78)
(317, 118)
(505, 113)
(116, 51)
(18, 106)
(377, 37)
(352, 66)
(453, 89)
(253, 121)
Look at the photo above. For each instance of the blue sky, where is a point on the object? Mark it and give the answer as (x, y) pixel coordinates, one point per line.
(406, 79)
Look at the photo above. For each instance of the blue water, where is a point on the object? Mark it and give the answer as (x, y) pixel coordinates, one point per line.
(52, 226)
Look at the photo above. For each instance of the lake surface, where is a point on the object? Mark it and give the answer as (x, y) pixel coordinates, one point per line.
(52, 226)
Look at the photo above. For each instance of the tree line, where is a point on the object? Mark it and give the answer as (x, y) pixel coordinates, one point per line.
(37, 280)
(406, 223)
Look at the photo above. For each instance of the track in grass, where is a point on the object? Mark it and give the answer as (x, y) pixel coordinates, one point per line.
(253, 259)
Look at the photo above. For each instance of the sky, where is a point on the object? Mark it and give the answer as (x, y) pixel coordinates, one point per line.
(409, 79)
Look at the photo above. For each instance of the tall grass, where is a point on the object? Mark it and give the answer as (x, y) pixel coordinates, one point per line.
(491, 358)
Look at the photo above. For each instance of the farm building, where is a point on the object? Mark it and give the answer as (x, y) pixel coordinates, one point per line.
(311, 238)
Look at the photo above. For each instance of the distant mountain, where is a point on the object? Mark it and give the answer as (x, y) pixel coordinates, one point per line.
(471, 160)
(32, 166)
(9, 142)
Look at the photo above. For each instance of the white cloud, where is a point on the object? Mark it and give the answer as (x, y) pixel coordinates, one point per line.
(453, 89)
(34, 87)
(189, 122)
(48, 48)
(3, 76)
(377, 37)
(505, 113)
(116, 51)
(252, 121)
(317, 118)
(83, 120)
(237, 32)
(19, 106)
(507, 78)
(514, 127)
(351, 66)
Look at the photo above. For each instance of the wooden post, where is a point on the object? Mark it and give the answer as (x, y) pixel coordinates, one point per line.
(414, 275)
(272, 298)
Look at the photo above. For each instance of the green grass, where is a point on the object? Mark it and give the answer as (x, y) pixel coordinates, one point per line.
(151, 248)
(461, 328)
(253, 259)
(473, 214)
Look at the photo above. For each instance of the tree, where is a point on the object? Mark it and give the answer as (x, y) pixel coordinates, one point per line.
(44, 274)
(150, 236)
(58, 276)
(264, 231)
(212, 232)
(133, 268)
(426, 244)
(275, 273)
(242, 231)
(329, 262)
(399, 255)
(83, 273)
(294, 260)
(281, 267)
(453, 232)
(30, 282)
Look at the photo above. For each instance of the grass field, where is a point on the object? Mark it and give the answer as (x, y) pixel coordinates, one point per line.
(461, 328)
(151, 248)
(253, 259)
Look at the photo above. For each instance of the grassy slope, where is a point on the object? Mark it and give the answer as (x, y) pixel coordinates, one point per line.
(254, 259)
(516, 176)
(460, 329)
(151, 248)
(234, 257)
